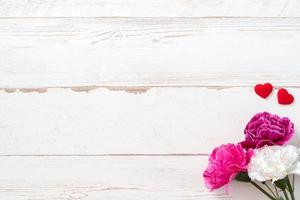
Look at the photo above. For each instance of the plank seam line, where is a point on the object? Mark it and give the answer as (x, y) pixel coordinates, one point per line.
(105, 155)
(156, 17)
(136, 89)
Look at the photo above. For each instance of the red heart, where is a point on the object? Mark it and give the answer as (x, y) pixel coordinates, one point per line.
(284, 97)
(263, 90)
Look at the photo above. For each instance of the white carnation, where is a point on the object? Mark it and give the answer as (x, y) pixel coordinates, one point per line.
(274, 163)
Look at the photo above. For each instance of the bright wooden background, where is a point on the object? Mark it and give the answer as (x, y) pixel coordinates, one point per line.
(124, 100)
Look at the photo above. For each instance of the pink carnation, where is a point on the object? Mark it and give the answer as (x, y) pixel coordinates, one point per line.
(267, 129)
(224, 163)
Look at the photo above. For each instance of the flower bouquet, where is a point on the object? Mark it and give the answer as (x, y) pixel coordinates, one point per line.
(262, 159)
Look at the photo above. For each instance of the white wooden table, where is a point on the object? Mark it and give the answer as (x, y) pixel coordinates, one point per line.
(111, 100)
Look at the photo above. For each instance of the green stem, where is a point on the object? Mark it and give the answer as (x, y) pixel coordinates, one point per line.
(270, 189)
(293, 182)
(291, 190)
(285, 194)
(277, 193)
(262, 190)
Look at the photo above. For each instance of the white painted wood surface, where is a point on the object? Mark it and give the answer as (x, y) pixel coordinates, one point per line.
(149, 8)
(156, 121)
(124, 99)
(102, 177)
(205, 51)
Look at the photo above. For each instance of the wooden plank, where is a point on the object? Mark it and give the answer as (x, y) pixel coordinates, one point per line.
(149, 8)
(142, 121)
(155, 52)
(114, 178)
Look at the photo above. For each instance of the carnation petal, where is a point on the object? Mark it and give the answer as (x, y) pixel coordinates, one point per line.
(265, 128)
(274, 163)
(224, 163)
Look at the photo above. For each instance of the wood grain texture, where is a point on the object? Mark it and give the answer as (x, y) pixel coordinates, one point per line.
(149, 8)
(124, 100)
(165, 51)
(155, 121)
(112, 178)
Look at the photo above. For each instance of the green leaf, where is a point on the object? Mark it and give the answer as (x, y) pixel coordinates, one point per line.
(282, 183)
(243, 177)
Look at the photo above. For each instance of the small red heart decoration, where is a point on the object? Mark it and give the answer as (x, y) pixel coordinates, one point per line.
(284, 97)
(263, 90)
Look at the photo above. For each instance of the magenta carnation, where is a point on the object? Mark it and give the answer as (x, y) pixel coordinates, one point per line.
(224, 163)
(267, 129)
